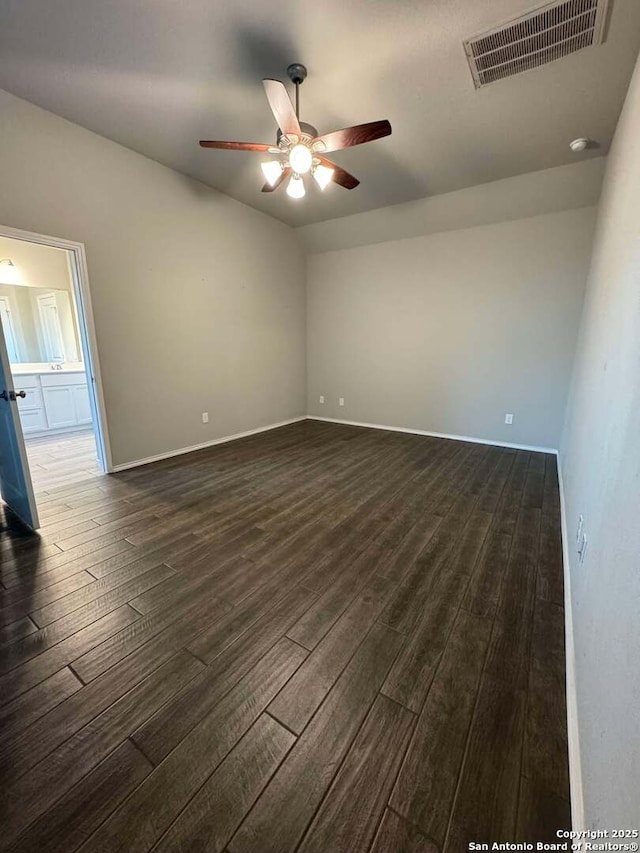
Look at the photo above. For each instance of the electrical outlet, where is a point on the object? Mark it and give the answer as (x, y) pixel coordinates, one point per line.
(341, 401)
(508, 418)
(580, 526)
(205, 417)
(322, 398)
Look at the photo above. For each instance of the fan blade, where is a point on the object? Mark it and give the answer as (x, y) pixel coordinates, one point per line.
(281, 106)
(267, 188)
(236, 146)
(356, 135)
(340, 176)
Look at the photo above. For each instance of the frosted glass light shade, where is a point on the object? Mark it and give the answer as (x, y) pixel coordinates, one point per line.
(272, 170)
(322, 176)
(295, 187)
(300, 159)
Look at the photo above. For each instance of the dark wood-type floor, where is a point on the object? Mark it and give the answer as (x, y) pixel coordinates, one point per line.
(319, 639)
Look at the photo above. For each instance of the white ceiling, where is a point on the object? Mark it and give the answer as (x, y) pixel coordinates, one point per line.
(158, 75)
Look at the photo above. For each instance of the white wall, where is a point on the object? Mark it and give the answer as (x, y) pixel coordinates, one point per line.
(449, 332)
(198, 300)
(546, 191)
(600, 458)
(36, 266)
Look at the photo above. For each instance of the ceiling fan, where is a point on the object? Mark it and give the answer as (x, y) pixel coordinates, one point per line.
(299, 149)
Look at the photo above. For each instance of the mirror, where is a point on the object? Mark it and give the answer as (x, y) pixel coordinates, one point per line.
(39, 325)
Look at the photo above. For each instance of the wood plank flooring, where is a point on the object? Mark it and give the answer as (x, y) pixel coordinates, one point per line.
(318, 639)
(60, 460)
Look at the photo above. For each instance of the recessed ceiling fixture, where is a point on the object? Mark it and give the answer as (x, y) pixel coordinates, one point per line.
(299, 151)
(542, 36)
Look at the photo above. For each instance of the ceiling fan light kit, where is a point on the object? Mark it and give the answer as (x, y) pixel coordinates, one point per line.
(323, 175)
(300, 158)
(295, 187)
(299, 148)
(272, 170)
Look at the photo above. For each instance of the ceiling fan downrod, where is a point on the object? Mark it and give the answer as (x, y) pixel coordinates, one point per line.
(297, 74)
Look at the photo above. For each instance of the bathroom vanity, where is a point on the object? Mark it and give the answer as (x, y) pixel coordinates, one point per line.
(56, 399)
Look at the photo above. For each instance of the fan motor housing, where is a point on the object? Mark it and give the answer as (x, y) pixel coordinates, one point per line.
(309, 133)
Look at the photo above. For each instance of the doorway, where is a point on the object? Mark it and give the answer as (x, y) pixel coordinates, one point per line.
(49, 343)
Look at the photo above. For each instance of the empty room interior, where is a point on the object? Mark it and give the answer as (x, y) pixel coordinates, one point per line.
(319, 426)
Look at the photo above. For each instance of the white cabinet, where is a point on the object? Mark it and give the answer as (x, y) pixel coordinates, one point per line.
(31, 407)
(54, 401)
(33, 421)
(81, 404)
(58, 404)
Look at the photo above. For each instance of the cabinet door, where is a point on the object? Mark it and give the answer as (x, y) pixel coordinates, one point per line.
(33, 421)
(58, 404)
(82, 405)
(33, 400)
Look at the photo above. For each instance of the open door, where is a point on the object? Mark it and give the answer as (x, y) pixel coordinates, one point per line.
(15, 479)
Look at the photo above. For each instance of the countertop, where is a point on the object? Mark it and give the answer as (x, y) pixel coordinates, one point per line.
(24, 369)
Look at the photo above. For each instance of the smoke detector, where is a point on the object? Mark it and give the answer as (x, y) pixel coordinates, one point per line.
(580, 144)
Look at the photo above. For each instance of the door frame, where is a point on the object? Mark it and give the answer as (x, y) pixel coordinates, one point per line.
(81, 291)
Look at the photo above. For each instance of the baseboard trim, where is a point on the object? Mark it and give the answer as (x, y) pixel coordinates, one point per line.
(45, 433)
(136, 463)
(573, 733)
(469, 438)
(147, 460)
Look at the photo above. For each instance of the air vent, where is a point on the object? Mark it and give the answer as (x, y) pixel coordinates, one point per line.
(542, 36)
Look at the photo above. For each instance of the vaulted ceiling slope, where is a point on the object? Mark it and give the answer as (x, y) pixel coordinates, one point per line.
(157, 76)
